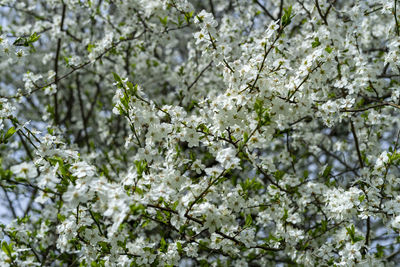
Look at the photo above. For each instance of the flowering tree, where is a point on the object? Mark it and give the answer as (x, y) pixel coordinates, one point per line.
(177, 132)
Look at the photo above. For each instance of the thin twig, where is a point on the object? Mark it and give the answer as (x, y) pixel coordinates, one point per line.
(56, 115)
(265, 10)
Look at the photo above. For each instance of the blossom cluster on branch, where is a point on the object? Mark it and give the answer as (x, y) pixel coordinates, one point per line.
(200, 133)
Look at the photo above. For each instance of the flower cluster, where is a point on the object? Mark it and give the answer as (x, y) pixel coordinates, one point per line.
(199, 133)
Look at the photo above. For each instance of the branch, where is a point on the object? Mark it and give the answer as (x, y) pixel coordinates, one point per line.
(280, 9)
(82, 112)
(356, 143)
(368, 221)
(395, 18)
(373, 106)
(304, 80)
(265, 10)
(56, 115)
(10, 205)
(266, 52)
(323, 16)
(204, 192)
(198, 76)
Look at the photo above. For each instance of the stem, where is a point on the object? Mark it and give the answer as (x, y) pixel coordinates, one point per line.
(56, 115)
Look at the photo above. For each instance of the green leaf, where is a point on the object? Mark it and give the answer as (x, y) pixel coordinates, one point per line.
(251, 184)
(9, 133)
(132, 89)
(33, 38)
(188, 16)
(279, 175)
(66, 59)
(124, 102)
(316, 42)
(245, 137)
(287, 16)
(328, 49)
(141, 167)
(305, 174)
(327, 171)
(324, 225)
(179, 246)
(117, 78)
(351, 231)
(90, 47)
(380, 251)
(61, 217)
(285, 215)
(163, 245)
(249, 220)
(263, 116)
(164, 21)
(7, 249)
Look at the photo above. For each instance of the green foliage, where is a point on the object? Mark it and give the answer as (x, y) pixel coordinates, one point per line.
(164, 21)
(27, 41)
(316, 42)
(248, 221)
(263, 117)
(287, 16)
(7, 135)
(352, 233)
